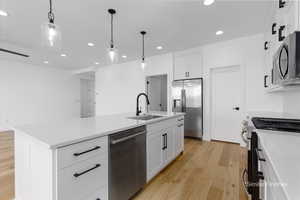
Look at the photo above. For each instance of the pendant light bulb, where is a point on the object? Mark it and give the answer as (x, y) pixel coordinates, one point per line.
(51, 34)
(112, 51)
(112, 55)
(143, 64)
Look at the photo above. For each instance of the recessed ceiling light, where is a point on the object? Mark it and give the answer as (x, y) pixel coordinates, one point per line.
(91, 44)
(219, 32)
(208, 2)
(3, 13)
(63, 55)
(97, 63)
(159, 47)
(124, 56)
(46, 62)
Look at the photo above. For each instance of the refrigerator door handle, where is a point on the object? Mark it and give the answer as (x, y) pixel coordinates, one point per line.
(183, 100)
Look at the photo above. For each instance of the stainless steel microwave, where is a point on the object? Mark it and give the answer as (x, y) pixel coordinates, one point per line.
(286, 61)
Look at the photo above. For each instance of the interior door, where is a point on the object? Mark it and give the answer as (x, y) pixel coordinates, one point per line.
(226, 95)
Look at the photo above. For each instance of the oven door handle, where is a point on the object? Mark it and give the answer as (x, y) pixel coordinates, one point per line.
(245, 185)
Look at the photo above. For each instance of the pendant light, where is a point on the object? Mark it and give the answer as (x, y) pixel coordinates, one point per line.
(143, 63)
(112, 52)
(51, 34)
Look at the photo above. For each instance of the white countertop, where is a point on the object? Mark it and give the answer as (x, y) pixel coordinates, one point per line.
(62, 133)
(282, 148)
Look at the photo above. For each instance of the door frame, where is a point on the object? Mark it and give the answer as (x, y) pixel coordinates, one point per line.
(243, 94)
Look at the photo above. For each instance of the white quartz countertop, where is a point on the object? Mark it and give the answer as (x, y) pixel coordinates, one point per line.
(65, 132)
(282, 148)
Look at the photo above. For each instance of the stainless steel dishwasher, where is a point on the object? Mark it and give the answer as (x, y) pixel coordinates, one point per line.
(127, 169)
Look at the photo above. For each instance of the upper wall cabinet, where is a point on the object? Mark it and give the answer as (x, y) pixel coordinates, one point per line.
(188, 64)
(282, 20)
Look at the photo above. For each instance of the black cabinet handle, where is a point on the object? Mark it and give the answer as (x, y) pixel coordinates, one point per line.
(164, 141)
(280, 34)
(87, 151)
(266, 45)
(260, 175)
(274, 29)
(258, 156)
(180, 125)
(76, 175)
(265, 81)
(282, 3)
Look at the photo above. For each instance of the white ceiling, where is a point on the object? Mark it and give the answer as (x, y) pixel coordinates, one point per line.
(174, 24)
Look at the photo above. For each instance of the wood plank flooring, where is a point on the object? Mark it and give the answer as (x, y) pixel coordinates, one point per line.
(205, 171)
(6, 165)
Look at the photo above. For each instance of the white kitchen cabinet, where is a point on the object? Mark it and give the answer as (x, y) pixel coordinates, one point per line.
(165, 142)
(155, 160)
(168, 151)
(188, 64)
(280, 22)
(179, 137)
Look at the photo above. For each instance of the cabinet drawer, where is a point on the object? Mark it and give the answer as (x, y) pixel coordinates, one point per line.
(101, 194)
(82, 179)
(161, 125)
(81, 151)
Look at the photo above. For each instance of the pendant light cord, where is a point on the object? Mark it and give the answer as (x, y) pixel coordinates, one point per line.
(143, 48)
(51, 14)
(111, 32)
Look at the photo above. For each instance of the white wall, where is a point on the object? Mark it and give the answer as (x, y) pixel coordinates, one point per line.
(32, 94)
(291, 101)
(118, 85)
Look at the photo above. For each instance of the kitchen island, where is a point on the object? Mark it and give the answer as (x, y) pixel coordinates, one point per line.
(70, 159)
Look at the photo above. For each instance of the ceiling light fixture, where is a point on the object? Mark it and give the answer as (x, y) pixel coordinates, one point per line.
(208, 2)
(112, 52)
(124, 56)
(220, 32)
(46, 62)
(51, 34)
(143, 63)
(3, 13)
(159, 47)
(90, 44)
(97, 63)
(63, 55)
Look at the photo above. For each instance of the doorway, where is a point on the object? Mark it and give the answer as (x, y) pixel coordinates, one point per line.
(87, 94)
(157, 91)
(226, 103)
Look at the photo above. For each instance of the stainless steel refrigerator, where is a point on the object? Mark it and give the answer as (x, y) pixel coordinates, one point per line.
(187, 97)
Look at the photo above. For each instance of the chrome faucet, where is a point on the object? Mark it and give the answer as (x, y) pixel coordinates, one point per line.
(138, 111)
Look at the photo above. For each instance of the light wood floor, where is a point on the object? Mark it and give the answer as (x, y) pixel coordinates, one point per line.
(205, 171)
(6, 165)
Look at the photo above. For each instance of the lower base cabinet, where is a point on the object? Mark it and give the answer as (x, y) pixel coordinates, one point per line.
(165, 141)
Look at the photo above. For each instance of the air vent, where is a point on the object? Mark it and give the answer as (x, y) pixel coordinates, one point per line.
(14, 53)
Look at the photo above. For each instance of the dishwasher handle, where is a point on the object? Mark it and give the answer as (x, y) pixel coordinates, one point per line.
(126, 138)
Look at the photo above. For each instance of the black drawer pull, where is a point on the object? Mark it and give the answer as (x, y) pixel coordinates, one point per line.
(98, 199)
(87, 151)
(180, 119)
(280, 34)
(281, 3)
(274, 28)
(180, 125)
(258, 156)
(265, 81)
(266, 45)
(260, 176)
(76, 175)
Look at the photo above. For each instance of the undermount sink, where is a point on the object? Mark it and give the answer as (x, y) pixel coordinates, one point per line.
(145, 117)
